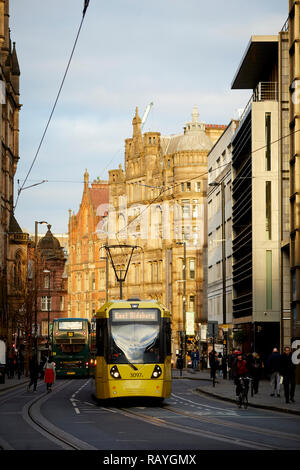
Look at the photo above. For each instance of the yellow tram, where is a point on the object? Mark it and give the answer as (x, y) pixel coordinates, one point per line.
(133, 350)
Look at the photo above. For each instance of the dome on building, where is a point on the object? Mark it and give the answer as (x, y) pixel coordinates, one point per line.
(49, 245)
(193, 138)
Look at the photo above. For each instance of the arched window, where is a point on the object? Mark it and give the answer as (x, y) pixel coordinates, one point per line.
(18, 270)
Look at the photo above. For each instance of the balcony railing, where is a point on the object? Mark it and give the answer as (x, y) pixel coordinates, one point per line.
(265, 91)
(285, 27)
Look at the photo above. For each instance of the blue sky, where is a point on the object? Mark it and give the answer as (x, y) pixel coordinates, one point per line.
(176, 54)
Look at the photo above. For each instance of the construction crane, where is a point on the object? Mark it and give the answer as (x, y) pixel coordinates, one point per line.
(144, 118)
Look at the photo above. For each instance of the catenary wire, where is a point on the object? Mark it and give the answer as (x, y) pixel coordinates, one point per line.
(196, 177)
(86, 4)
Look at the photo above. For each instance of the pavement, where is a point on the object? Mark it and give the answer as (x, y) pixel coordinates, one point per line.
(224, 389)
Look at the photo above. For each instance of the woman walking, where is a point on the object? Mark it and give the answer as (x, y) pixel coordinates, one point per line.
(49, 377)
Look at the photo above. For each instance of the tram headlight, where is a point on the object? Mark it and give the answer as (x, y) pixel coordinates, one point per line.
(156, 373)
(115, 373)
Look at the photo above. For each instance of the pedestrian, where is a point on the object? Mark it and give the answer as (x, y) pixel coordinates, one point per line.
(255, 370)
(224, 365)
(195, 359)
(19, 365)
(213, 363)
(273, 368)
(49, 377)
(10, 364)
(220, 369)
(33, 372)
(288, 372)
(239, 369)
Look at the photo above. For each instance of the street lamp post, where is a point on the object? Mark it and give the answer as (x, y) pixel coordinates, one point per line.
(184, 301)
(35, 283)
(46, 271)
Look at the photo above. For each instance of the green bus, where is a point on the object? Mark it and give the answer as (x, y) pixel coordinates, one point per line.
(71, 346)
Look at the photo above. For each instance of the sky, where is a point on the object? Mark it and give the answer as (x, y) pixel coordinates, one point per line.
(176, 54)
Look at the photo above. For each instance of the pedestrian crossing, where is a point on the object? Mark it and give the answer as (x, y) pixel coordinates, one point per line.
(200, 409)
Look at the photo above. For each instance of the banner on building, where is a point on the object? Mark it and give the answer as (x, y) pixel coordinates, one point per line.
(190, 323)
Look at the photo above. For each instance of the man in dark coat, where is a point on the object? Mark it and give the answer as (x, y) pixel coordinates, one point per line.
(273, 368)
(288, 371)
(33, 372)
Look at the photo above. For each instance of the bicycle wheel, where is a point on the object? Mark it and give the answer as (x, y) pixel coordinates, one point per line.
(240, 400)
(245, 400)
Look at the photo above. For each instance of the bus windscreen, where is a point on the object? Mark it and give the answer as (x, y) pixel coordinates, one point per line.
(70, 325)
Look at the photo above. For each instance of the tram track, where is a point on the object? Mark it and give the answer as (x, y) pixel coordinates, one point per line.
(239, 426)
(193, 430)
(32, 415)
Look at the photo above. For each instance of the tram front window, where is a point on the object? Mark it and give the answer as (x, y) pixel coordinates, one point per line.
(135, 336)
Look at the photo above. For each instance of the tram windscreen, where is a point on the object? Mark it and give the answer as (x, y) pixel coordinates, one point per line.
(135, 335)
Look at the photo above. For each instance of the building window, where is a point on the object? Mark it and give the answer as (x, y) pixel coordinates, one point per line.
(47, 281)
(45, 303)
(182, 186)
(192, 268)
(62, 303)
(44, 328)
(268, 211)
(93, 281)
(269, 279)
(268, 140)
(78, 282)
(198, 186)
(192, 303)
(185, 208)
(188, 186)
(137, 274)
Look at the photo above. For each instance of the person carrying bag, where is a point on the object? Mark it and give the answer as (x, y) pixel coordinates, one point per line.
(50, 374)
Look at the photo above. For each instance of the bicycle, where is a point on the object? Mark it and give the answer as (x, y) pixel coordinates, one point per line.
(243, 391)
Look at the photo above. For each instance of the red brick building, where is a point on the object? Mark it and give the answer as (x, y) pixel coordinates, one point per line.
(51, 285)
(86, 269)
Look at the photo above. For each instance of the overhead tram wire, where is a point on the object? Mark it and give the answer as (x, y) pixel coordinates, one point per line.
(86, 4)
(196, 177)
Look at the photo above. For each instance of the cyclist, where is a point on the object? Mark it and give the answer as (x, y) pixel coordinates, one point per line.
(239, 369)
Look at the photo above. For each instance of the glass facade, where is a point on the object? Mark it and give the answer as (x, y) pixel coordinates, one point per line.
(268, 140)
(268, 210)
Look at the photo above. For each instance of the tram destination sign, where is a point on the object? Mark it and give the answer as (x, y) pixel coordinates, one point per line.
(134, 315)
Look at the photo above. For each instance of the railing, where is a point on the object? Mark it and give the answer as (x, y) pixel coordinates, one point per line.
(285, 27)
(265, 91)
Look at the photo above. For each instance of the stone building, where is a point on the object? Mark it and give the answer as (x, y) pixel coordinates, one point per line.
(158, 203)
(13, 243)
(294, 162)
(86, 263)
(51, 285)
